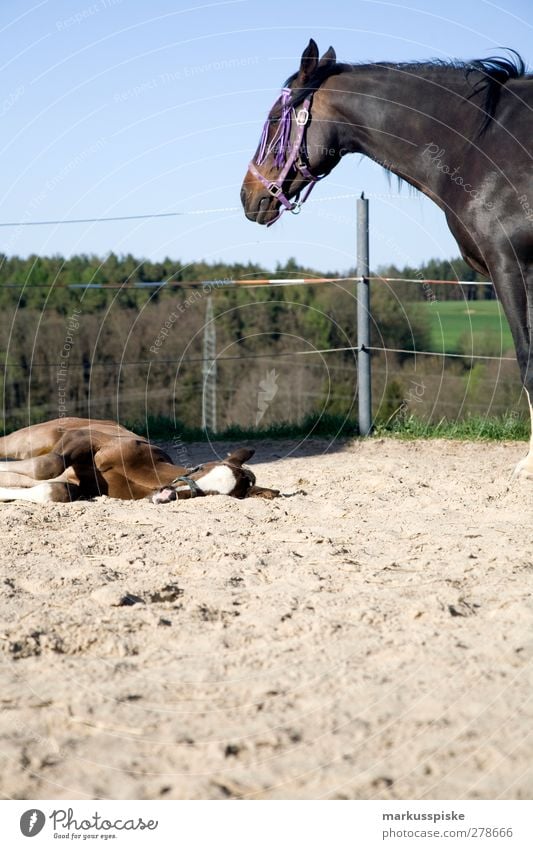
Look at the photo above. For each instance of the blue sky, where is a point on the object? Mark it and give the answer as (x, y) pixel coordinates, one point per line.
(123, 107)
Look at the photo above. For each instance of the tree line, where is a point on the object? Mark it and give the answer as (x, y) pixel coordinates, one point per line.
(70, 349)
(37, 281)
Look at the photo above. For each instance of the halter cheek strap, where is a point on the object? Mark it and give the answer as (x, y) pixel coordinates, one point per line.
(293, 158)
(193, 486)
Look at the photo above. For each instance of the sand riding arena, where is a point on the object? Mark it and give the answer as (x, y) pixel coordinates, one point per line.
(369, 636)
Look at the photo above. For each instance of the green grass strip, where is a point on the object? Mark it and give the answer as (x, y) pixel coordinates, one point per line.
(478, 428)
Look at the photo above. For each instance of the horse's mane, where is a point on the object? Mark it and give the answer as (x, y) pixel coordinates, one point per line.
(490, 75)
(495, 72)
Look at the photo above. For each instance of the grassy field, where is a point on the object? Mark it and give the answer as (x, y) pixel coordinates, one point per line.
(457, 325)
(500, 428)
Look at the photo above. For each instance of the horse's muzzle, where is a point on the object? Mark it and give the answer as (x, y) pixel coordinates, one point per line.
(261, 209)
(164, 495)
(259, 206)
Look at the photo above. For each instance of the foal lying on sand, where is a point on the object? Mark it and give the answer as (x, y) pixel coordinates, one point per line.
(72, 458)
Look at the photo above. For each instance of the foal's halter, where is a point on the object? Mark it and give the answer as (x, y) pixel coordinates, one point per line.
(193, 486)
(197, 490)
(294, 154)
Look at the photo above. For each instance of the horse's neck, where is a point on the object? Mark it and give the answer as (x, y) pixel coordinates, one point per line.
(403, 120)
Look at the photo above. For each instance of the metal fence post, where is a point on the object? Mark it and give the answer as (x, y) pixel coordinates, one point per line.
(363, 319)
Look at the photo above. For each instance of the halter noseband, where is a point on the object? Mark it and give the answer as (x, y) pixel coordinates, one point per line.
(295, 155)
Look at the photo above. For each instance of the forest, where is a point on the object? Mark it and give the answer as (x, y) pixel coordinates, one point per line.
(122, 337)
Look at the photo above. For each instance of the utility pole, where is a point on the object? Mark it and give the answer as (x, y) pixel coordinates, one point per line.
(209, 370)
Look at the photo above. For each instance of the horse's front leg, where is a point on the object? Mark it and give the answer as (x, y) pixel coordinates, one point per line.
(514, 286)
(525, 467)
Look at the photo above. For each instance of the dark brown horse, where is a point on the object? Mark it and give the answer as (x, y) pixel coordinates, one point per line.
(462, 133)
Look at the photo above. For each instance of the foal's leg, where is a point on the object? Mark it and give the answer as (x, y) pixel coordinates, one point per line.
(71, 456)
(41, 493)
(12, 479)
(39, 468)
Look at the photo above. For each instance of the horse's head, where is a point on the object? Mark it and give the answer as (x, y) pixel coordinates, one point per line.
(225, 478)
(297, 146)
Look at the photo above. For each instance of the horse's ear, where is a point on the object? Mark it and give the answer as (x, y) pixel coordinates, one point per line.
(308, 63)
(328, 59)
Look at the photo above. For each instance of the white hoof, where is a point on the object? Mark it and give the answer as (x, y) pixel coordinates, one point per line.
(524, 469)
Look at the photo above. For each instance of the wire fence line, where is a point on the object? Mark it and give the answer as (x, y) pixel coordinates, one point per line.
(211, 285)
(104, 219)
(441, 354)
(354, 349)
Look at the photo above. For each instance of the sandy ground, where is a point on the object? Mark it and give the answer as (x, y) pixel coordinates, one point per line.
(371, 638)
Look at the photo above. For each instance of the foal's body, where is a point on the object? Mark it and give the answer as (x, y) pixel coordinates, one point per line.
(69, 458)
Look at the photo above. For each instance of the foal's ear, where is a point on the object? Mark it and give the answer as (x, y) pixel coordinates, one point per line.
(308, 63)
(329, 58)
(241, 456)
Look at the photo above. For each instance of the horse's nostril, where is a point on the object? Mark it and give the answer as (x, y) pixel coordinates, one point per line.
(263, 204)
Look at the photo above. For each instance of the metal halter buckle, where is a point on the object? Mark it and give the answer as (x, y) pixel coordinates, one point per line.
(302, 117)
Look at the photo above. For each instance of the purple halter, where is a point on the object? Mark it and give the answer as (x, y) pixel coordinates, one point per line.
(285, 154)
